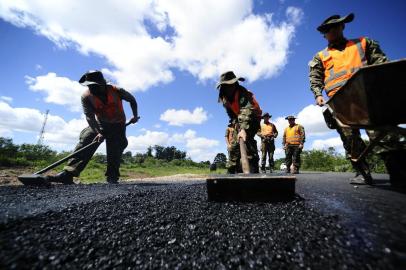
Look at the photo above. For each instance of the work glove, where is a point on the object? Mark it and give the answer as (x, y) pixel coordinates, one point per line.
(301, 146)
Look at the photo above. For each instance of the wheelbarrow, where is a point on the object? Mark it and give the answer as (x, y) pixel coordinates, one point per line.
(248, 187)
(38, 179)
(374, 99)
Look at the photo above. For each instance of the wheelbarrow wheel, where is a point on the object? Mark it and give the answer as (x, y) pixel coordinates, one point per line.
(395, 163)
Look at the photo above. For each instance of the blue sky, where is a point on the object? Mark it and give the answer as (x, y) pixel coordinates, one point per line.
(169, 54)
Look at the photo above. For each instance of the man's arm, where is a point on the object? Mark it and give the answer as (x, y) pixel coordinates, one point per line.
(374, 54)
(316, 76)
(226, 137)
(284, 138)
(127, 96)
(275, 131)
(302, 133)
(89, 112)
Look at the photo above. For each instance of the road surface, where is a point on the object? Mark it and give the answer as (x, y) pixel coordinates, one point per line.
(171, 225)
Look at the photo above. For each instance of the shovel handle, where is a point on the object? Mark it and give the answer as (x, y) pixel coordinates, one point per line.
(244, 159)
(53, 165)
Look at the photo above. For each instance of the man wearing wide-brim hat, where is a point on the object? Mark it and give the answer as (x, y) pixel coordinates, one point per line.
(333, 66)
(293, 141)
(242, 108)
(267, 133)
(103, 108)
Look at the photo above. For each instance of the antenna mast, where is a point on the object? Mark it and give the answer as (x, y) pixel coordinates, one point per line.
(41, 133)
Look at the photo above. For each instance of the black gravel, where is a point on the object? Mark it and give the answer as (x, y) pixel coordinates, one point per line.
(173, 226)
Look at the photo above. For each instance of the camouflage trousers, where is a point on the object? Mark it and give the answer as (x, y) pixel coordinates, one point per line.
(292, 153)
(234, 160)
(267, 149)
(353, 145)
(116, 142)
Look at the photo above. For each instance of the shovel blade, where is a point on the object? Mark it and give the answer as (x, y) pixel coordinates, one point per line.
(251, 188)
(34, 180)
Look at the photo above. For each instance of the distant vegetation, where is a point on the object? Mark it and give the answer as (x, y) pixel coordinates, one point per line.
(160, 161)
(331, 161)
(156, 161)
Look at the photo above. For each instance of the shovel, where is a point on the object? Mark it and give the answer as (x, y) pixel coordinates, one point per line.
(37, 179)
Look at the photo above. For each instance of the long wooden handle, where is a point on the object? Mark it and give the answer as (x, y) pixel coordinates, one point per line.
(53, 165)
(244, 158)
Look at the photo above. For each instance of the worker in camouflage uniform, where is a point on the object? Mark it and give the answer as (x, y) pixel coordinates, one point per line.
(293, 140)
(233, 147)
(267, 133)
(333, 66)
(103, 108)
(241, 107)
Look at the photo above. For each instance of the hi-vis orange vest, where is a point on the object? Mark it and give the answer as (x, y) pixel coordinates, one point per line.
(235, 104)
(339, 66)
(112, 111)
(293, 135)
(267, 129)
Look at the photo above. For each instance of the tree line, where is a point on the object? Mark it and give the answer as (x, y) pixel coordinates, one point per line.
(38, 155)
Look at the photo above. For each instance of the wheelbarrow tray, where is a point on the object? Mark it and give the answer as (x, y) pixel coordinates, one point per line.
(251, 188)
(374, 96)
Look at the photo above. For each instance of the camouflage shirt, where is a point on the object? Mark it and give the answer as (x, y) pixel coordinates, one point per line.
(373, 54)
(247, 118)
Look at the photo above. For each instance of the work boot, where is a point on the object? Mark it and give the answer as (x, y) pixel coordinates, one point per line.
(63, 177)
(361, 180)
(112, 180)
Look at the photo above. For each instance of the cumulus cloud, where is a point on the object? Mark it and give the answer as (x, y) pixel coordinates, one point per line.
(6, 99)
(150, 38)
(57, 90)
(140, 144)
(58, 132)
(330, 142)
(183, 117)
(197, 148)
(310, 117)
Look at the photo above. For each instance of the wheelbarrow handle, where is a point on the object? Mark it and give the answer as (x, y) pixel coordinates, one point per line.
(53, 165)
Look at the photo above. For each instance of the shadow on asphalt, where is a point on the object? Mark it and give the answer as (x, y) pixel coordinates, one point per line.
(384, 184)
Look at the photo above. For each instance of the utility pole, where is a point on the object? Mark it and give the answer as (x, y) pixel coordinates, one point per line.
(41, 133)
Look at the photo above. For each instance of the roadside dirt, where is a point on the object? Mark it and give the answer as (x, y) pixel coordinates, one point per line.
(8, 176)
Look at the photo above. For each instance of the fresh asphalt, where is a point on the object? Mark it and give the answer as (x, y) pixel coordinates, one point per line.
(171, 225)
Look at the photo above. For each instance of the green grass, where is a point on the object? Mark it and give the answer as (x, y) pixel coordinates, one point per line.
(94, 172)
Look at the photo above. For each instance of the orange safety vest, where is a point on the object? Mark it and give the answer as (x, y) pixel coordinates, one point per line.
(235, 104)
(339, 66)
(293, 135)
(112, 111)
(267, 129)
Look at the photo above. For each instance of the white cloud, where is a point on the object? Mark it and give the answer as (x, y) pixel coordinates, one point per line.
(58, 90)
(58, 132)
(6, 99)
(183, 117)
(311, 118)
(198, 148)
(143, 40)
(139, 144)
(326, 143)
